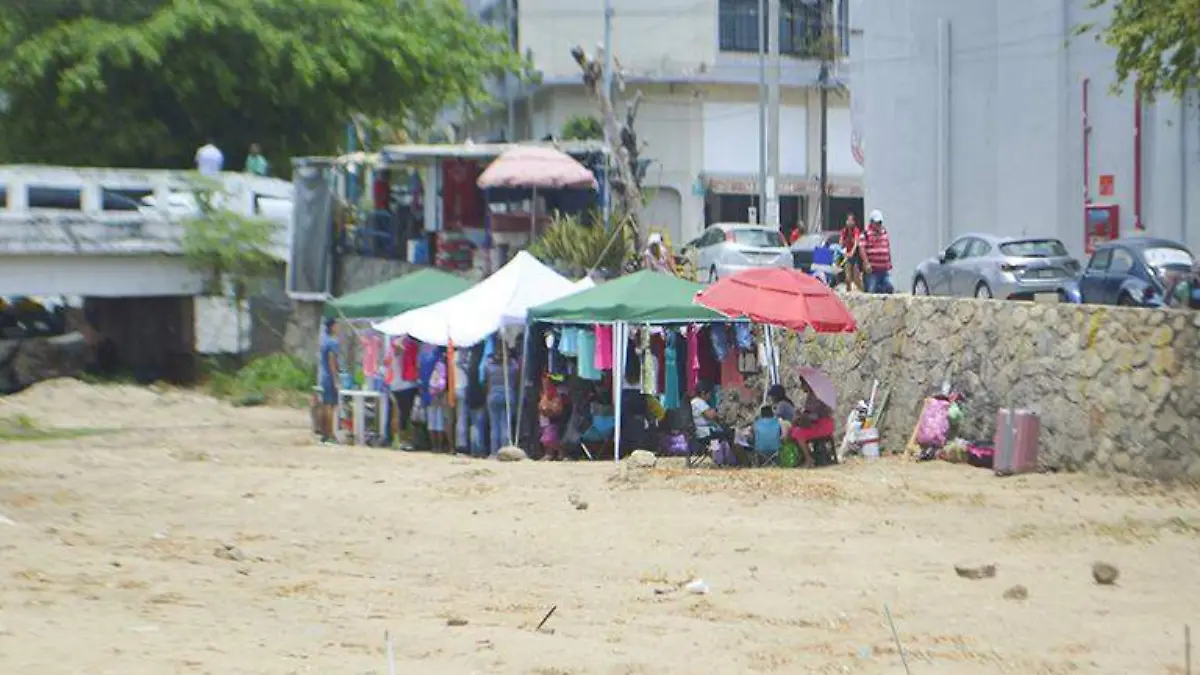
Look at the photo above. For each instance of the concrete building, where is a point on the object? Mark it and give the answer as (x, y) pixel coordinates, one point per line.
(697, 66)
(113, 238)
(990, 115)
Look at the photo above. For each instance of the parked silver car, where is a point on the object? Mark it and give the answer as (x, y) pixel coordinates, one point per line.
(986, 266)
(726, 248)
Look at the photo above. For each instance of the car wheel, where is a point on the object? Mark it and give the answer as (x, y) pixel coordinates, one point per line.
(920, 287)
(1125, 300)
(982, 292)
(712, 275)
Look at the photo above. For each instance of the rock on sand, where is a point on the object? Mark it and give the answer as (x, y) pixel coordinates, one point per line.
(511, 453)
(642, 459)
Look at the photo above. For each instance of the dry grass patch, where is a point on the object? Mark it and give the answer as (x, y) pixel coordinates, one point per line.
(1125, 531)
(761, 482)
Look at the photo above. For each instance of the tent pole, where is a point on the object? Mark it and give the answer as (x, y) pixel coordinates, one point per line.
(533, 217)
(521, 386)
(507, 385)
(618, 378)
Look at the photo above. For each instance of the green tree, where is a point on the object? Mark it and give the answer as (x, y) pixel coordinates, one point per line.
(145, 82)
(1157, 43)
(582, 128)
(234, 251)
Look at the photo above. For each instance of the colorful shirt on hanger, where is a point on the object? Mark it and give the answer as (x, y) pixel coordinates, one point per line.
(568, 344)
(604, 348)
(693, 356)
(587, 355)
(409, 360)
(370, 349)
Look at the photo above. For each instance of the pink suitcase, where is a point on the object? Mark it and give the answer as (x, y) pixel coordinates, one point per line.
(1016, 442)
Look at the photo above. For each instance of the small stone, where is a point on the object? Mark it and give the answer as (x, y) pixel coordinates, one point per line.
(244, 571)
(642, 459)
(229, 552)
(1017, 592)
(511, 453)
(159, 536)
(1105, 574)
(581, 506)
(975, 572)
(456, 622)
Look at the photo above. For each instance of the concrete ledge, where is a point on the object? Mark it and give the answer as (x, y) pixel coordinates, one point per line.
(1118, 389)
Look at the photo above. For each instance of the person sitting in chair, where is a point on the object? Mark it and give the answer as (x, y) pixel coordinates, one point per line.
(813, 422)
(768, 433)
(704, 417)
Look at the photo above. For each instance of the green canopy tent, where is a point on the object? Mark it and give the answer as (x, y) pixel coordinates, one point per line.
(641, 298)
(411, 291)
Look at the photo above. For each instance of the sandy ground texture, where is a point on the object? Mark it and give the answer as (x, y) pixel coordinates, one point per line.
(196, 538)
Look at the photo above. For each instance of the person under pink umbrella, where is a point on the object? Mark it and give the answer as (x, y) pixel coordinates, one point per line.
(814, 416)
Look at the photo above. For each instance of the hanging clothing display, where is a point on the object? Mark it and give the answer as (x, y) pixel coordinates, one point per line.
(709, 368)
(586, 365)
(604, 348)
(745, 336)
(718, 336)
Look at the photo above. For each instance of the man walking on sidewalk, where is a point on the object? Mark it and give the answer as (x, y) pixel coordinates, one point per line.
(877, 255)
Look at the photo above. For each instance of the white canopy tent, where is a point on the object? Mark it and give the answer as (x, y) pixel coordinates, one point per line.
(498, 301)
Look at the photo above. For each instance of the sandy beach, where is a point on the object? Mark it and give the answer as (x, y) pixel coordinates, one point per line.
(175, 534)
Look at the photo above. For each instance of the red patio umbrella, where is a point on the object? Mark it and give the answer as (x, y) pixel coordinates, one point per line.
(780, 297)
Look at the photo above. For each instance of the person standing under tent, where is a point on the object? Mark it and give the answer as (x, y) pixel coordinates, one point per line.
(327, 374)
(876, 250)
(462, 408)
(403, 383)
(499, 377)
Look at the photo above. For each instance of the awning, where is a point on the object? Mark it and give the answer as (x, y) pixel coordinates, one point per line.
(644, 297)
(399, 295)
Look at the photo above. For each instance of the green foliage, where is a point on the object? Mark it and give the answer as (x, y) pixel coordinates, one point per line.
(576, 246)
(1157, 43)
(21, 428)
(145, 82)
(234, 249)
(583, 128)
(276, 379)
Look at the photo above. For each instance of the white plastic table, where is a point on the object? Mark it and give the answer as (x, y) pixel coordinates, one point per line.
(359, 399)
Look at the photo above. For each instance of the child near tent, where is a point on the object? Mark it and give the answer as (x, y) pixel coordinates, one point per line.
(550, 412)
(435, 412)
(768, 432)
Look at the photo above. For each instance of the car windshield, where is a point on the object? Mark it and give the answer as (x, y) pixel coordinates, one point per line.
(757, 237)
(1168, 257)
(1034, 248)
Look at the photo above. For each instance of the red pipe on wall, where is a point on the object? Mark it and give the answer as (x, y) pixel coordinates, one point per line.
(1137, 157)
(1087, 138)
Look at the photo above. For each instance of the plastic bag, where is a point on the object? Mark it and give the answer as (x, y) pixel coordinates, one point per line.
(935, 424)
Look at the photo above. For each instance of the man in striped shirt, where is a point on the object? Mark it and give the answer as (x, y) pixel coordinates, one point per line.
(877, 255)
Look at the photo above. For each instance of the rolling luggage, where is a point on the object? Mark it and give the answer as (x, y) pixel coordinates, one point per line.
(1016, 442)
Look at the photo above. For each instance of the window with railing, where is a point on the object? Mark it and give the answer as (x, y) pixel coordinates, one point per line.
(801, 26)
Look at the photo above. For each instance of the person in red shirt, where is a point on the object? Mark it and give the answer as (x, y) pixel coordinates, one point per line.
(876, 250)
(850, 238)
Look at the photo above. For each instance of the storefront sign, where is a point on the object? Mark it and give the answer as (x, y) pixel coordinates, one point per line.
(729, 185)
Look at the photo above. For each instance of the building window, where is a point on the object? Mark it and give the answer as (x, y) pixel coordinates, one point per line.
(800, 26)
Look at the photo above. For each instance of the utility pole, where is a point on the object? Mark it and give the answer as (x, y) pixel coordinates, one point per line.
(608, 88)
(772, 204)
(510, 131)
(827, 47)
(762, 111)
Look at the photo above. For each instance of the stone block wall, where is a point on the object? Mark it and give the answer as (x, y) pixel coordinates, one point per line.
(1117, 389)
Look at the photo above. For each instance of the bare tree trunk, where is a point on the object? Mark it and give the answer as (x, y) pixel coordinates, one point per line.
(622, 143)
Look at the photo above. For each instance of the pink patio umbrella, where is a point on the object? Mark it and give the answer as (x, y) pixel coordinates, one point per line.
(537, 168)
(821, 385)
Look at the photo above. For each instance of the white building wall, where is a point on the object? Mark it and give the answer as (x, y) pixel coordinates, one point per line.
(1013, 125)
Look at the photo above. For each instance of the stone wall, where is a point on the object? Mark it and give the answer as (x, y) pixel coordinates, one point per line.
(1116, 388)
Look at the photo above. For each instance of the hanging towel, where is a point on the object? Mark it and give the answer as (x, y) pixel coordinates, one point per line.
(568, 345)
(671, 399)
(745, 336)
(370, 359)
(604, 348)
(587, 355)
(719, 337)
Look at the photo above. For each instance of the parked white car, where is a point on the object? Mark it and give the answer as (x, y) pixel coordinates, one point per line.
(726, 248)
